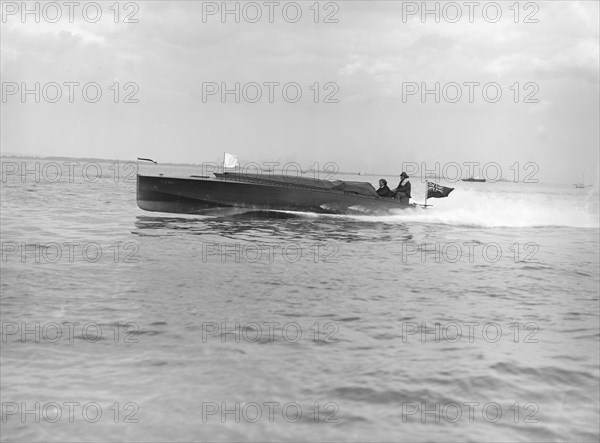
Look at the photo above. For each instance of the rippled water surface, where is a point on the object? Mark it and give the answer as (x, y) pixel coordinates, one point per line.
(254, 327)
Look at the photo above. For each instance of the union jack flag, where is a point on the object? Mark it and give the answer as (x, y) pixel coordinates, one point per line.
(437, 191)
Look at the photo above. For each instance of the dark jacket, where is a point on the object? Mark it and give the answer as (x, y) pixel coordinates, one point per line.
(404, 188)
(384, 192)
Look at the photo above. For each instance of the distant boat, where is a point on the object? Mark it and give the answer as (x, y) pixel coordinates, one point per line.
(581, 184)
(473, 179)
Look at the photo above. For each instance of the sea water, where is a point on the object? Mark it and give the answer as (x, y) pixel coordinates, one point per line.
(476, 319)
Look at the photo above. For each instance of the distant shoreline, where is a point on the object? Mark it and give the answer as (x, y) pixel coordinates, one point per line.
(355, 173)
(88, 159)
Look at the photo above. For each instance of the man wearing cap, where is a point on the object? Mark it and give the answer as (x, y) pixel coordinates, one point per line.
(403, 189)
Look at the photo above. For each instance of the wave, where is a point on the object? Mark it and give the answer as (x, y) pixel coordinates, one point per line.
(468, 207)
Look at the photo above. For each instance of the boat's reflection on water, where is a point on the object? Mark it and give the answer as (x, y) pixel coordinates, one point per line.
(273, 225)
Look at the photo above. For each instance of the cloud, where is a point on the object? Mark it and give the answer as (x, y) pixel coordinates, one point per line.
(369, 53)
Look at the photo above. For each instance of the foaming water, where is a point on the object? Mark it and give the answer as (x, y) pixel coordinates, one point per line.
(499, 208)
(501, 204)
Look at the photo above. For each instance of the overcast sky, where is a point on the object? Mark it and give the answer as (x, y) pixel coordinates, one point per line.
(366, 55)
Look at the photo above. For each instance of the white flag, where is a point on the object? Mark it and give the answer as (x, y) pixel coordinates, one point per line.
(230, 161)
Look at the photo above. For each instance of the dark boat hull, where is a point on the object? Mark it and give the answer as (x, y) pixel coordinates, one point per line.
(197, 196)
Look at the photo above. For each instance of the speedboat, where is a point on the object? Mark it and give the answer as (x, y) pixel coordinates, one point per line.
(261, 192)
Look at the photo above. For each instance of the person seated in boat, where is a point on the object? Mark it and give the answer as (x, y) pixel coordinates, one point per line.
(383, 190)
(402, 192)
